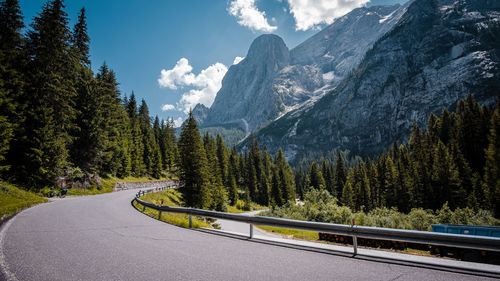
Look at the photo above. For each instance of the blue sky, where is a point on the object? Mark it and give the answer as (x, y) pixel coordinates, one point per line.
(138, 39)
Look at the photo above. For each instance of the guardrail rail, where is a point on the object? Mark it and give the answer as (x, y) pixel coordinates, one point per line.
(413, 236)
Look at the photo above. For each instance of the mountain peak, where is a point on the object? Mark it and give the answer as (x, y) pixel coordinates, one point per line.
(268, 48)
(200, 112)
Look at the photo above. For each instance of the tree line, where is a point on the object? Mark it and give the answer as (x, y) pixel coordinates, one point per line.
(455, 160)
(215, 176)
(58, 119)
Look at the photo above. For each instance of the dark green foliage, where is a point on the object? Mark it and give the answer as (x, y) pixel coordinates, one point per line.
(340, 175)
(50, 95)
(168, 145)
(113, 156)
(88, 136)
(286, 178)
(151, 150)
(315, 177)
(11, 78)
(193, 166)
(444, 164)
(492, 169)
(321, 206)
(81, 39)
(276, 189)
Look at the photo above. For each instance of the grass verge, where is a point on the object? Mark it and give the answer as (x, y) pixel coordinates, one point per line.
(292, 233)
(14, 199)
(239, 207)
(170, 197)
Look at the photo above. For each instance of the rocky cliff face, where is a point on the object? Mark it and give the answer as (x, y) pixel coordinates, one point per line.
(246, 88)
(200, 113)
(271, 80)
(438, 51)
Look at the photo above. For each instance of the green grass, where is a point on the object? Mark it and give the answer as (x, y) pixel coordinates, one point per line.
(292, 233)
(172, 198)
(239, 207)
(107, 185)
(13, 199)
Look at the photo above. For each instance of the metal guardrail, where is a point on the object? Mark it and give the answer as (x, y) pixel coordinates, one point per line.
(412, 236)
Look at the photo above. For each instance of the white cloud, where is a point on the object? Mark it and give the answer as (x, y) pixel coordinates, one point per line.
(237, 60)
(309, 13)
(248, 15)
(206, 84)
(166, 107)
(178, 122)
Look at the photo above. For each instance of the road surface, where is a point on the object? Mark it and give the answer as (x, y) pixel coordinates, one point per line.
(244, 228)
(103, 238)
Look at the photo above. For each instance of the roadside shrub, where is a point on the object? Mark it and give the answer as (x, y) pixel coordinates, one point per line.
(321, 206)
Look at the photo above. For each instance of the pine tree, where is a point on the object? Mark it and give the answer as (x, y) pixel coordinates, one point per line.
(168, 145)
(327, 173)
(315, 177)
(473, 127)
(136, 145)
(222, 161)
(263, 196)
(286, 178)
(232, 190)
(114, 130)
(151, 153)
(88, 139)
(445, 176)
(80, 39)
(233, 176)
(340, 175)
(276, 194)
(348, 195)
(50, 97)
(193, 166)
(492, 169)
(12, 61)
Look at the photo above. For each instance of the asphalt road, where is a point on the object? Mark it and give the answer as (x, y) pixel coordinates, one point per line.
(103, 238)
(244, 228)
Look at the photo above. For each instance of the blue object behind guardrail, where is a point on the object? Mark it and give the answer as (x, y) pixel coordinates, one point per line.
(491, 231)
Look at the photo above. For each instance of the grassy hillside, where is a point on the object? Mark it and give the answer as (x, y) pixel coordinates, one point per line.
(13, 199)
(170, 197)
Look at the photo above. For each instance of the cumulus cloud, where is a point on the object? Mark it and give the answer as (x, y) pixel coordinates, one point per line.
(178, 122)
(166, 107)
(309, 13)
(205, 85)
(237, 60)
(248, 15)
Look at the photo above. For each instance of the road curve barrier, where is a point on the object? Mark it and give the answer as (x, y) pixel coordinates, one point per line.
(483, 243)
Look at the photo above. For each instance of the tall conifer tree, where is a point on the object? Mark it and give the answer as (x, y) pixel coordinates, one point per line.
(193, 166)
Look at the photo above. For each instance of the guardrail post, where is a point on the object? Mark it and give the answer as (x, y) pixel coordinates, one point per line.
(355, 244)
(354, 237)
(190, 221)
(251, 231)
(159, 215)
(144, 208)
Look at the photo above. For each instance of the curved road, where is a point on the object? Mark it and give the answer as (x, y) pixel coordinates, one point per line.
(103, 238)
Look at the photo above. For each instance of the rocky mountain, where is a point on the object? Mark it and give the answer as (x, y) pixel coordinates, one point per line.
(437, 52)
(200, 112)
(272, 80)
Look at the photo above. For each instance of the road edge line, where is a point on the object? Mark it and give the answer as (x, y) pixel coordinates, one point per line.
(4, 267)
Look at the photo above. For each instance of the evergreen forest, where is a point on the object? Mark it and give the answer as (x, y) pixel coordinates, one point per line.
(454, 162)
(59, 121)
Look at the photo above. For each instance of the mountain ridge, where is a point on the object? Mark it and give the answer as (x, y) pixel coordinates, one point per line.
(296, 75)
(437, 53)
